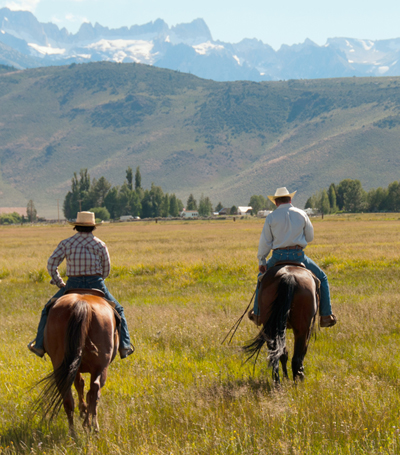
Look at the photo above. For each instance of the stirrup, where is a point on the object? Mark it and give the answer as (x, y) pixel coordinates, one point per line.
(125, 352)
(38, 351)
(254, 318)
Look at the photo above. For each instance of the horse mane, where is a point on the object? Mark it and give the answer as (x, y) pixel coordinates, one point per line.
(56, 384)
(274, 329)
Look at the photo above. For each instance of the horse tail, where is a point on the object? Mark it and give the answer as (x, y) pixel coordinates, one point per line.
(274, 330)
(56, 385)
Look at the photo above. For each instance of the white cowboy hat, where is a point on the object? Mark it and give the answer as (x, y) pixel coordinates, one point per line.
(85, 219)
(281, 192)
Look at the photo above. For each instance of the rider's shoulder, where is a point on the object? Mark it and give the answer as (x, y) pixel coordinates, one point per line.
(299, 211)
(100, 242)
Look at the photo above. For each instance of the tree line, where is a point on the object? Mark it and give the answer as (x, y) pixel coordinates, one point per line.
(112, 202)
(108, 201)
(16, 218)
(349, 196)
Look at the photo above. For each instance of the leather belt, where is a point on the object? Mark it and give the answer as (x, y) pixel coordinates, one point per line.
(83, 276)
(296, 247)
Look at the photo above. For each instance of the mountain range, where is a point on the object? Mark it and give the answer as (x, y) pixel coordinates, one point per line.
(190, 48)
(227, 140)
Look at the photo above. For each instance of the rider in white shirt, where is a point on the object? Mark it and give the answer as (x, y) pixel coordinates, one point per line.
(287, 231)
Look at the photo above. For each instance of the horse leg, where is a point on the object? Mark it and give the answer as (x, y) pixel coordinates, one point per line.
(284, 360)
(69, 405)
(79, 386)
(93, 397)
(300, 350)
(274, 365)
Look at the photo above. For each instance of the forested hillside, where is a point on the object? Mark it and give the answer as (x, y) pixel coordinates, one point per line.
(227, 140)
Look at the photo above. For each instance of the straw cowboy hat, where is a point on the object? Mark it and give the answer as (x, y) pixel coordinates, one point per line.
(281, 192)
(85, 219)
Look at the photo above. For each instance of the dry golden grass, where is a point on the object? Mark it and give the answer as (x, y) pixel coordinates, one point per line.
(183, 284)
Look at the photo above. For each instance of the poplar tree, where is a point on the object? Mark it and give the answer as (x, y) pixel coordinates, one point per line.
(332, 198)
(205, 206)
(138, 179)
(191, 203)
(31, 211)
(129, 178)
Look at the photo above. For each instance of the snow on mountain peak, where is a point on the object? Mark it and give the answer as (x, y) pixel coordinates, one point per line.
(187, 47)
(205, 48)
(134, 50)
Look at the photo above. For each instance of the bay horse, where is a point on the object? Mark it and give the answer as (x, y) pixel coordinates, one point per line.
(81, 336)
(288, 298)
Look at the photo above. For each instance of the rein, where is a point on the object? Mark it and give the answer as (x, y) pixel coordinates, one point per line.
(237, 323)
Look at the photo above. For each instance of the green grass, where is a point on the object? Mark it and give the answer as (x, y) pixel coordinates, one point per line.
(183, 285)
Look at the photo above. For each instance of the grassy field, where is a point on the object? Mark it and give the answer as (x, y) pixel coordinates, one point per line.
(183, 285)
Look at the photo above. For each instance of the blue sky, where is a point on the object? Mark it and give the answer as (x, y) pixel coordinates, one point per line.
(274, 23)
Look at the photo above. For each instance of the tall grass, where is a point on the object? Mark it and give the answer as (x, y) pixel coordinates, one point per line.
(182, 392)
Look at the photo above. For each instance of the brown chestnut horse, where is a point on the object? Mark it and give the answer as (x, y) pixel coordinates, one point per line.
(81, 336)
(288, 298)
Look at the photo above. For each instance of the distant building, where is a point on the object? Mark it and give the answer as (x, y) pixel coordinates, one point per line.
(224, 211)
(311, 212)
(190, 214)
(244, 210)
(263, 213)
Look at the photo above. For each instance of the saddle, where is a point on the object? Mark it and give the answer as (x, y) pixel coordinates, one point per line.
(283, 263)
(96, 292)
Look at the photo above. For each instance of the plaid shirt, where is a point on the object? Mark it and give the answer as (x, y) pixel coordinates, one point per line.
(86, 255)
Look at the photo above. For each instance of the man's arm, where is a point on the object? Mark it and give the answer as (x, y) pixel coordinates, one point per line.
(308, 230)
(52, 265)
(265, 244)
(105, 262)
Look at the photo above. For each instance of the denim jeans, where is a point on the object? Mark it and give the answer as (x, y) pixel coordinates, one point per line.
(86, 282)
(299, 256)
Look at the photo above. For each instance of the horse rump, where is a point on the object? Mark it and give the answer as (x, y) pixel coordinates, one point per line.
(274, 330)
(57, 384)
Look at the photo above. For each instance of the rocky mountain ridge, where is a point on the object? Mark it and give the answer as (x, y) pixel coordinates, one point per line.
(190, 48)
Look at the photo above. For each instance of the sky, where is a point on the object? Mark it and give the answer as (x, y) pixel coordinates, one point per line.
(273, 22)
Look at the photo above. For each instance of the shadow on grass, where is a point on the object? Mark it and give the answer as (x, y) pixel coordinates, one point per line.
(30, 437)
(41, 437)
(233, 389)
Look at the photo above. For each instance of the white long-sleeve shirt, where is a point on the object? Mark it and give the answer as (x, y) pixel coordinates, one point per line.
(285, 226)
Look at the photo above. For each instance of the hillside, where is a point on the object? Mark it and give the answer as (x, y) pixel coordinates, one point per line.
(228, 140)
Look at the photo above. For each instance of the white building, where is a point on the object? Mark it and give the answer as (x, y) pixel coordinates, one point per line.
(311, 212)
(263, 213)
(244, 210)
(126, 218)
(190, 214)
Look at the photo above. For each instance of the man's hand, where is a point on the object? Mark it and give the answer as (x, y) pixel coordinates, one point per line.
(262, 268)
(61, 285)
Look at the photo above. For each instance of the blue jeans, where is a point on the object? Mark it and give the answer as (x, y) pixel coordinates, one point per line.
(299, 256)
(86, 282)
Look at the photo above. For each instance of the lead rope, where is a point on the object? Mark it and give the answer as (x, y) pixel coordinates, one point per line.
(237, 323)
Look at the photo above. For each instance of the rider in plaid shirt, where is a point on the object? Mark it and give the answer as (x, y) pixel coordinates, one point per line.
(88, 265)
(86, 255)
